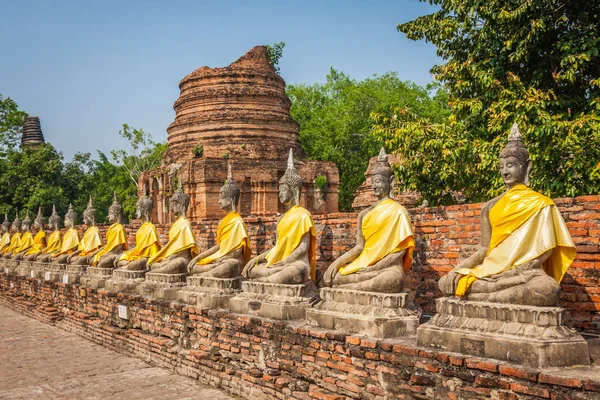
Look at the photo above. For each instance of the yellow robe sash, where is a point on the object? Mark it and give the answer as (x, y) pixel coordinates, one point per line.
(39, 243)
(69, 242)
(231, 235)
(115, 236)
(26, 242)
(15, 242)
(4, 241)
(147, 243)
(532, 226)
(291, 227)
(54, 243)
(386, 229)
(90, 242)
(180, 238)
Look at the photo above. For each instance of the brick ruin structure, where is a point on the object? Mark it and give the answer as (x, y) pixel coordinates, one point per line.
(239, 113)
(32, 132)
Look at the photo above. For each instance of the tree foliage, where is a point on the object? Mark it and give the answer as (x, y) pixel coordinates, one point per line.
(275, 52)
(11, 124)
(335, 122)
(532, 62)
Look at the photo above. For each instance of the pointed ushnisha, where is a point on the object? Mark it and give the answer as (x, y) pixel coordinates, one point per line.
(515, 146)
(383, 166)
(291, 177)
(515, 133)
(230, 188)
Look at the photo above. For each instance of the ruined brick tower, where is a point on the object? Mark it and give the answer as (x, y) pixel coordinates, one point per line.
(239, 113)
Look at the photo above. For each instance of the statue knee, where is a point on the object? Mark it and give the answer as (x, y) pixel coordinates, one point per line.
(541, 291)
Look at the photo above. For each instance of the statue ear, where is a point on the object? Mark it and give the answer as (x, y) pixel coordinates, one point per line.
(392, 184)
(528, 165)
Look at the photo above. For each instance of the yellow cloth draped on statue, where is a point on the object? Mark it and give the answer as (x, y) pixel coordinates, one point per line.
(386, 229)
(54, 243)
(231, 235)
(39, 243)
(4, 241)
(115, 236)
(525, 224)
(69, 242)
(26, 242)
(90, 242)
(15, 242)
(180, 238)
(146, 243)
(291, 227)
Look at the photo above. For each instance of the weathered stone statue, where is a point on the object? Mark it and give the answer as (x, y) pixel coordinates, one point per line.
(384, 242)
(116, 239)
(15, 239)
(54, 242)
(28, 241)
(5, 239)
(293, 259)
(147, 242)
(39, 240)
(174, 257)
(525, 246)
(232, 251)
(90, 244)
(70, 240)
(507, 290)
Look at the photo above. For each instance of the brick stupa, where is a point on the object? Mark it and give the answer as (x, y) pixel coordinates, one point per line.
(32, 132)
(239, 113)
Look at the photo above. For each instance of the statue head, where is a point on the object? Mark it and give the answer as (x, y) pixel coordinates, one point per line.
(16, 224)
(179, 202)
(39, 220)
(290, 184)
(229, 194)
(383, 179)
(26, 224)
(89, 214)
(115, 211)
(54, 220)
(515, 164)
(70, 217)
(5, 227)
(143, 209)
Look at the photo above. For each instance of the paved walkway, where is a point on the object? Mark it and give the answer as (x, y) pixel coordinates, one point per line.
(39, 361)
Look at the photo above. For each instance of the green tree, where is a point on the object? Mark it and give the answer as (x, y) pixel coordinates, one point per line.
(11, 124)
(535, 63)
(275, 52)
(335, 121)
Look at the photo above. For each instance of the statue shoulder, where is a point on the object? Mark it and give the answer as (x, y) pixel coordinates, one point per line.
(485, 209)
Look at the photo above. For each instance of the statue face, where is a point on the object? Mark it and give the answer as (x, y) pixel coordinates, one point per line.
(111, 215)
(14, 228)
(138, 211)
(513, 170)
(225, 201)
(178, 209)
(87, 220)
(37, 226)
(381, 185)
(286, 194)
(68, 223)
(3, 229)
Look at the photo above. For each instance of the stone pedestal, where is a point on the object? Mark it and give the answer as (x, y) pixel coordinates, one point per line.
(210, 292)
(96, 277)
(125, 281)
(10, 266)
(381, 315)
(162, 286)
(531, 336)
(24, 268)
(73, 273)
(274, 300)
(37, 269)
(53, 272)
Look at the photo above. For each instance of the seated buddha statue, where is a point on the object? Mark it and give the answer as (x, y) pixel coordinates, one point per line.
(384, 242)
(90, 243)
(232, 251)
(5, 239)
(70, 240)
(39, 240)
(116, 239)
(15, 239)
(147, 243)
(293, 259)
(174, 257)
(53, 242)
(27, 241)
(525, 246)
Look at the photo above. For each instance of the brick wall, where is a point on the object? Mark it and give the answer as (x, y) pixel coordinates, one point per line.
(256, 358)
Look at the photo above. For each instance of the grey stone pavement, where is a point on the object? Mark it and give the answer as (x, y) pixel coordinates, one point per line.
(39, 361)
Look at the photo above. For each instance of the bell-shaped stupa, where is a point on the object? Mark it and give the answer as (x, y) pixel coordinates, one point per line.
(32, 132)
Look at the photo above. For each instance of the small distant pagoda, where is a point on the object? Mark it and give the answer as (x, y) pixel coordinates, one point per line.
(32, 132)
(238, 114)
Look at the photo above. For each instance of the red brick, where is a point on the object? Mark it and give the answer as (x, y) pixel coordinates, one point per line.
(483, 365)
(353, 340)
(519, 372)
(368, 343)
(530, 390)
(409, 351)
(559, 380)
(456, 360)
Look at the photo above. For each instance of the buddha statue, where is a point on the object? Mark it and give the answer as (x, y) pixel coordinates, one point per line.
(39, 240)
(293, 259)
(90, 243)
(70, 240)
(147, 243)
(174, 257)
(116, 239)
(54, 241)
(525, 246)
(384, 242)
(5, 239)
(27, 241)
(232, 251)
(15, 239)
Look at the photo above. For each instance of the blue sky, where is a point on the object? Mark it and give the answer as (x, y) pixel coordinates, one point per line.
(87, 67)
